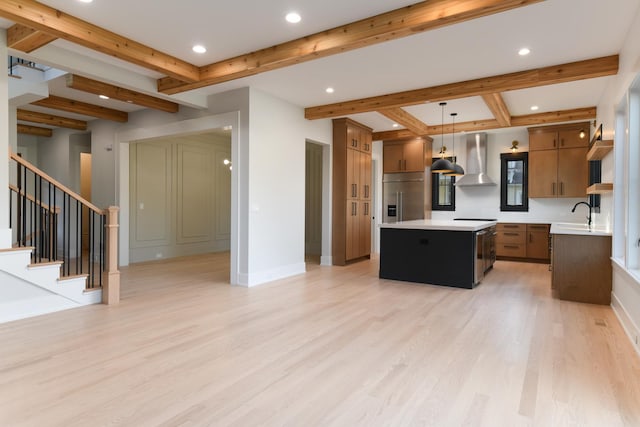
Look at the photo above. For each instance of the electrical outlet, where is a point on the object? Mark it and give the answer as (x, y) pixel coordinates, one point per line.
(159, 255)
(637, 340)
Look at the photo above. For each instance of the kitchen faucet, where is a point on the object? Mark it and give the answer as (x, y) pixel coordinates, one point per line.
(589, 206)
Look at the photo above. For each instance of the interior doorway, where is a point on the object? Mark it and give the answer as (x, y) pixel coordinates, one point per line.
(313, 203)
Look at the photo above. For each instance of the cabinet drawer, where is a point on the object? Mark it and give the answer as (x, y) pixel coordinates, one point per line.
(505, 226)
(538, 227)
(511, 237)
(511, 250)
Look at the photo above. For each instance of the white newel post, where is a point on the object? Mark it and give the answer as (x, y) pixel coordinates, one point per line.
(111, 289)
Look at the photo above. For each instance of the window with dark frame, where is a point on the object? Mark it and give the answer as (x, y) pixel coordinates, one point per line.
(514, 182)
(443, 191)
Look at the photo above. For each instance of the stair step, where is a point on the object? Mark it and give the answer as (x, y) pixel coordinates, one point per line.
(17, 249)
(45, 264)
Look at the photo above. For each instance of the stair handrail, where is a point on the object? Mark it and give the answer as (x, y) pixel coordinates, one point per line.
(111, 284)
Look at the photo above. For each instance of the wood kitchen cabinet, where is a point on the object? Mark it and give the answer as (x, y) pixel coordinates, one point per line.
(538, 241)
(351, 234)
(404, 156)
(557, 165)
(581, 268)
(523, 241)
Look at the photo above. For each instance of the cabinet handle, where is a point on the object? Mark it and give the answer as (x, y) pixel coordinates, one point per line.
(511, 234)
(511, 247)
(404, 165)
(511, 226)
(530, 237)
(554, 143)
(399, 165)
(353, 190)
(553, 188)
(354, 208)
(366, 191)
(366, 209)
(562, 142)
(562, 188)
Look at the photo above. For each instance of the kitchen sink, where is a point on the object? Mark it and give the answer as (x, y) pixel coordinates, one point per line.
(577, 228)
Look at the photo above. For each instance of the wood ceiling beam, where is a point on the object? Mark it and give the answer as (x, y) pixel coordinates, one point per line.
(498, 108)
(27, 39)
(61, 25)
(398, 23)
(71, 106)
(588, 113)
(96, 87)
(405, 119)
(580, 70)
(50, 119)
(34, 130)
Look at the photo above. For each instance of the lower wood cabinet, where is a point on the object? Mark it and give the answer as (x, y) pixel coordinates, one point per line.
(581, 268)
(525, 241)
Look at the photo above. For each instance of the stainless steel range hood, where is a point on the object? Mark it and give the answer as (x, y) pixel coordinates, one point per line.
(476, 164)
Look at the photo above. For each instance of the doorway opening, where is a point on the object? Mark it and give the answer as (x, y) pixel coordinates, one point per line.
(313, 203)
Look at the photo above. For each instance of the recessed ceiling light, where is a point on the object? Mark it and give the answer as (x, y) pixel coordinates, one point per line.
(524, 51)
(103, 96)
(395, 125)
(293, 17)
(534, 108)
(199, 48)
(329, 90)
(85, 1)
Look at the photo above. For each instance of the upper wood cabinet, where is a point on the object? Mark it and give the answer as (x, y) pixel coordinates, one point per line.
(351, 222)
(557, 165)
(404, 156)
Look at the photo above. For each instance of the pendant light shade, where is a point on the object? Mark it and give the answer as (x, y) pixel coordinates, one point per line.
(457, 169)
(442, 165)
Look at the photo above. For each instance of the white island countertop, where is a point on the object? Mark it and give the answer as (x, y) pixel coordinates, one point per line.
(440, 224)
(579, 229)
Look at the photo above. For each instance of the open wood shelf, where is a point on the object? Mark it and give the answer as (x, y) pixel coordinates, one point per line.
(600, 188)
(600, 149)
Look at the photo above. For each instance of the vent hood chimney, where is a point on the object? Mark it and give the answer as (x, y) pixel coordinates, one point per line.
(476, 166)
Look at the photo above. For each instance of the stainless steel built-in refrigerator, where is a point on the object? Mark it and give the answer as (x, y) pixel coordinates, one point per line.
(404, 196)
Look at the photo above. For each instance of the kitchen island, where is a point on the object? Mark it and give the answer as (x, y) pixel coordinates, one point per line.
(438, 252)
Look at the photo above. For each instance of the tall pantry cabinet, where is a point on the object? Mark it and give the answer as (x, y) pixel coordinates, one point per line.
(351, 234)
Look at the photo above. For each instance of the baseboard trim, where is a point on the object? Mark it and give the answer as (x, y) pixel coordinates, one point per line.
(630, 328)
(255, 279)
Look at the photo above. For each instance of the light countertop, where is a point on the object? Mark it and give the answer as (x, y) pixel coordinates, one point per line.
(440, 224)
(578, 229)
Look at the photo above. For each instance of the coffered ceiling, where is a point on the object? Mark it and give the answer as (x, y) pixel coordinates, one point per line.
(464, 51)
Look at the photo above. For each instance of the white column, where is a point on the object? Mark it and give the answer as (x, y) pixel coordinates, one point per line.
(5, 231)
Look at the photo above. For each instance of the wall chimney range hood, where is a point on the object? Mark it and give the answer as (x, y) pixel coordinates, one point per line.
(476, 166)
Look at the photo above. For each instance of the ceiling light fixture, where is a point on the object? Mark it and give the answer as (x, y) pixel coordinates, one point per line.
(582, 134)
(199, 48)
(442, 165)
(534, 108)
(457, 169)
(293, 17)
(329, 90)
(514, 145)
(85, 1)
(524, 51)
(103, 97)
(395, 125)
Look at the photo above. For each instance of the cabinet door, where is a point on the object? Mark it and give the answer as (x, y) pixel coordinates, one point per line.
(353, 173)
(365, 176)
(365, 141)
(571, 138)
(352, 238)
(543, 171)
(353, 133)
(365, 228)
(392, 158)
(413, 157)
(537, 244)
(573, 172)
(542, 140)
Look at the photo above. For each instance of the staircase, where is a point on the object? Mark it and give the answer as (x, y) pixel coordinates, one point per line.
(64, 251)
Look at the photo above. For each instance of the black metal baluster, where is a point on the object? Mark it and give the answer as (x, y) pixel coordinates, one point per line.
(91, 231)
(78, 234)
(102, 241)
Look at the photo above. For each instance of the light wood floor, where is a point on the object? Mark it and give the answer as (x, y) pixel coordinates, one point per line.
(334, 347)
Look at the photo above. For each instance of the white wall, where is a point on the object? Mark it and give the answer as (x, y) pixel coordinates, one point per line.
(484, 202)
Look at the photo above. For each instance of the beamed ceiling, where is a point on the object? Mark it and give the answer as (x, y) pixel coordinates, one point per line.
(390, 62)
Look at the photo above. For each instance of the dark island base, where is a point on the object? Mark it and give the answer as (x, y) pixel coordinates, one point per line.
(437, 257)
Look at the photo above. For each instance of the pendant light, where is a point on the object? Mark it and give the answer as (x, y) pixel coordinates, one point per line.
(442, 165)
(457, 169)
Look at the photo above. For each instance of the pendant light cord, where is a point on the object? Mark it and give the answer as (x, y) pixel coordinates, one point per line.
(442, 104)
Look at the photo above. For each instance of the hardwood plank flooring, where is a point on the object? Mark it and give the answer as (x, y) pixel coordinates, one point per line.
(333, 347)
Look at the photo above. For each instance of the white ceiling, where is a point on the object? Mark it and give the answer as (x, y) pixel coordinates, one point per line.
(556, 31)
